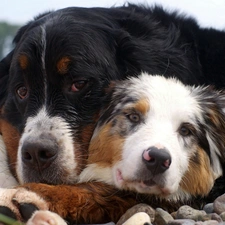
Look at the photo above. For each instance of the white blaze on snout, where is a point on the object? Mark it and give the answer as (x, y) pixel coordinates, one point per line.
(42, 124)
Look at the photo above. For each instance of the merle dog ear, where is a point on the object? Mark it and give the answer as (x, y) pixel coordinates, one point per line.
(213, 107)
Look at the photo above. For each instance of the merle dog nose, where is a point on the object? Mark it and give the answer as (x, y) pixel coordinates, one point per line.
(157, 160)
(39, 154)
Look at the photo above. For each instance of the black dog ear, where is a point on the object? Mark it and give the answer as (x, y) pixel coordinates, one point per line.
(127, 54)
(108, 90)
(35, 22)
(5, 63)
(4, 76)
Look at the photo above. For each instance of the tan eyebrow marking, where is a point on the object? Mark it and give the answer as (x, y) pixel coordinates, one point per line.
(142, 106)
(62, 65)
(23, 61)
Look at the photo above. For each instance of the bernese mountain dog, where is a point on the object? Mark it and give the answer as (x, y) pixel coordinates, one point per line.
(52, 84)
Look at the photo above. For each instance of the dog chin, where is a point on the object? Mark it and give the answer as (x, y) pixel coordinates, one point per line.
(144, 186)
(53, 176)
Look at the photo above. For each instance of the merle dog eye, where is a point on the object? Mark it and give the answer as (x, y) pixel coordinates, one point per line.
(134, 117)
(78, 85)
(184, 130)
(22, 92)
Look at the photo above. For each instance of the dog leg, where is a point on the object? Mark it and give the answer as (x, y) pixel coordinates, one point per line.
(81, 203)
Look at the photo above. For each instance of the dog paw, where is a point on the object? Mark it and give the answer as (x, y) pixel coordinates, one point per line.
(20, 203)
(43, 217)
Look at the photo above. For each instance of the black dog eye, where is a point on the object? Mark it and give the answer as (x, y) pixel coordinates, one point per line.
(22, 92)
(78, 85)
(184, 131)
(134, 117)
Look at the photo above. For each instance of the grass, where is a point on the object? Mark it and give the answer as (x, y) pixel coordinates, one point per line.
(9, 221)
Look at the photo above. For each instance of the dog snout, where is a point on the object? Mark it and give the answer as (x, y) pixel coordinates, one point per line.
(39, 154)
(157, 160)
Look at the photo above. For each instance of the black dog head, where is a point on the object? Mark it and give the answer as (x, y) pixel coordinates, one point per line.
(51, 91)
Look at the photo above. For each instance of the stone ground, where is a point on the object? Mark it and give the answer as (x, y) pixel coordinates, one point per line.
(212, 214)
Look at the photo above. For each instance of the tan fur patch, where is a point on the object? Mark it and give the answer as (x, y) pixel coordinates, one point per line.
(198, 180)
(105, 149)
(11, 139)
(23, 61)
(142, 106)
(62, 65)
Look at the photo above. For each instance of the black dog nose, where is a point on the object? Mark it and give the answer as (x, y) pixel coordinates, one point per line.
(157, 160)
(39, 155)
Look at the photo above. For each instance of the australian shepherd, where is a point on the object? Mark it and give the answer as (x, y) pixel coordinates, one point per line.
(160, 137)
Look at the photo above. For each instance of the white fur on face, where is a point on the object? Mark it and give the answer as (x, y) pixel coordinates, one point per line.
(44, 125)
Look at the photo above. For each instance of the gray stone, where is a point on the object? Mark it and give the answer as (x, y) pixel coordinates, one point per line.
(215, 216)
(162, 217)
(181, 222)
(209, 222)
(222, 215)
(212, 216)
(219, 204)
(186, 212)
(208, 208)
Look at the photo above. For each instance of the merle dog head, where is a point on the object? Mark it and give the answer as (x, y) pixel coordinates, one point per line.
(158, 136)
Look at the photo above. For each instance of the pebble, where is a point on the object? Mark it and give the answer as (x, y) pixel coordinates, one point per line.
(209, 222)
(219, 204)
(222, 215)
(209, 208)
(187, 212)
(162, 217)
(212, 214)
(182, 222)
(140, 218)
(135, 209)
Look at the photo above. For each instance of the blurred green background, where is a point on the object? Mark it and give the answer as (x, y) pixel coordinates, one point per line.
(7, 32)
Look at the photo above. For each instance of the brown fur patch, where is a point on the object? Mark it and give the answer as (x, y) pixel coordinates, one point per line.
(23, 61)
(62, 65)
(198, 180)
(105, 149)
(84, 203)
(81, 154)
(11, 139)
(142, 106)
